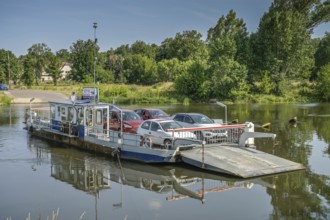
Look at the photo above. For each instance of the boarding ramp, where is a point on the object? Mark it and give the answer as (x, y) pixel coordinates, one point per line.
(233, 152)
(237, 161)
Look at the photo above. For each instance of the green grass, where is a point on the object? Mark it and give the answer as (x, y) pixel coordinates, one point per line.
(4, 99)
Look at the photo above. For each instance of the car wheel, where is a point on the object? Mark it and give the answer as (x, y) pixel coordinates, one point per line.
(167, 144)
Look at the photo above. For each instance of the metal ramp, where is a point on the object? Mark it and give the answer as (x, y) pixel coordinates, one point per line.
(237, 161)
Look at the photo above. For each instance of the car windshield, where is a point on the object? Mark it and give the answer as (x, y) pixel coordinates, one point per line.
(202, 119)
(130, 116)
(170, 125)
(157, 113)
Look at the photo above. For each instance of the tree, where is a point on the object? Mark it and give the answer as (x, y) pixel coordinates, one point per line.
(63, 55)
(227, 76)
(139, 69)
(139, 47)
(168, 69)
(54, 68)
(282, 46)
(187, 45)
(322, 54)
(323, 82)
(114, 63)
(190, 82)
(10, 68)
(28, 75)
(82, 57)
(41, 53)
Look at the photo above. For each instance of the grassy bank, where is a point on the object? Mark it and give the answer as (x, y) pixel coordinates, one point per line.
(120, 93)
(4, 99)
(164, 93)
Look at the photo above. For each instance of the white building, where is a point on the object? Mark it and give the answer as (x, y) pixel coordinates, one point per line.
(65, 71)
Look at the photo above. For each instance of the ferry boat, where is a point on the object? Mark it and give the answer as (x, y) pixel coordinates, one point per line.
(80, 123)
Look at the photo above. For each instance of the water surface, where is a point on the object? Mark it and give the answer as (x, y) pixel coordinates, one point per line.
(40, 177)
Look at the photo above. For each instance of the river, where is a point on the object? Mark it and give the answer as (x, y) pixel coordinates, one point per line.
(41, 179)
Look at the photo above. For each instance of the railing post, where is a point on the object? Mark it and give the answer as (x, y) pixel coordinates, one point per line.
(203, 144)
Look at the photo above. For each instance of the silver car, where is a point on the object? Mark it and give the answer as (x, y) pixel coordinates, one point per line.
(197, 120)
(162, 132)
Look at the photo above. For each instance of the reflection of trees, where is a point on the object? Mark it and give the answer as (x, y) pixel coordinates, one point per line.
(9, 115)
(292, 198)
(321, 125)
(297, 195)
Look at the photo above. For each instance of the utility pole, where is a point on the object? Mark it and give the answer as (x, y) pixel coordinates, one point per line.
(95, 42)
(8, 70)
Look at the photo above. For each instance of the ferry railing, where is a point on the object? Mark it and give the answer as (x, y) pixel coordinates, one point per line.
(214, 134)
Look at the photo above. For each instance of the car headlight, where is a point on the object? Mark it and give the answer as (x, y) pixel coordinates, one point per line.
(127, 126)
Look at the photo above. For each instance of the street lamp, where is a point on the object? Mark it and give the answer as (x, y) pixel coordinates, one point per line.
(95, 42)
(31, 100)
(225, 106)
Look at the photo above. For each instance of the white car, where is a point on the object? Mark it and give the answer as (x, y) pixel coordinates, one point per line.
(162, 132)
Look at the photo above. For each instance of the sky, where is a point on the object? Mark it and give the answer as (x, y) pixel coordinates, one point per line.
(60, 23)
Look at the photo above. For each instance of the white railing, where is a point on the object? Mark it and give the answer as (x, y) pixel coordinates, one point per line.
(215, 134)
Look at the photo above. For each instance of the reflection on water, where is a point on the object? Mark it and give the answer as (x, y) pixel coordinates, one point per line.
(92, 176)
(38, 175)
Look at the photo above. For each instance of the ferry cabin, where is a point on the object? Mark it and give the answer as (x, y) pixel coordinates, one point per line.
(74, 118)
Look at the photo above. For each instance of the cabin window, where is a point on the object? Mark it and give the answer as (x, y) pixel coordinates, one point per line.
(89, 117)
(80, 115)
(70, 114)
(99, 117)
(58, 111)
(63, 115)
(52, 111)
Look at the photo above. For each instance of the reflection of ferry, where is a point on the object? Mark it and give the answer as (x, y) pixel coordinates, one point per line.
(87, 176)
(92, 176)
(81, 123)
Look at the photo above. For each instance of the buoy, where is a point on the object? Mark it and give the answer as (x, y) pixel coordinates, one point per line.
(293, 120)
(266, 125)
(235, 121)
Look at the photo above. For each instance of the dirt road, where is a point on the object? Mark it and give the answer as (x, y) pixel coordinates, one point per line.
(40, 96)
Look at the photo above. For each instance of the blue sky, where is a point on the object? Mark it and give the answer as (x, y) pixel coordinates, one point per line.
(60, 23)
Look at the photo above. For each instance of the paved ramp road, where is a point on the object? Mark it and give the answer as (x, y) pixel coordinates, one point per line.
(40, 96)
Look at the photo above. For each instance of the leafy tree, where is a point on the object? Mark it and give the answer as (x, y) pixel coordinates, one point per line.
(103, 75)
(190, 82)
(29, 62)
(283, 45)
(185, 46)
(54, 68)
(114, 63)
(322, 55)
(139, 47)
(323, 82)
(139, 69)
(63, 55)
(168, 69)
(103, 69)
(227, 75)
(123, 50)
(229, 38)
(82, 57)
(10, 68)
(229, 79)
(41, 53)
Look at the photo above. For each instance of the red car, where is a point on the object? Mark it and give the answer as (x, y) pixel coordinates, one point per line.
(131, 121)
(151, 113)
